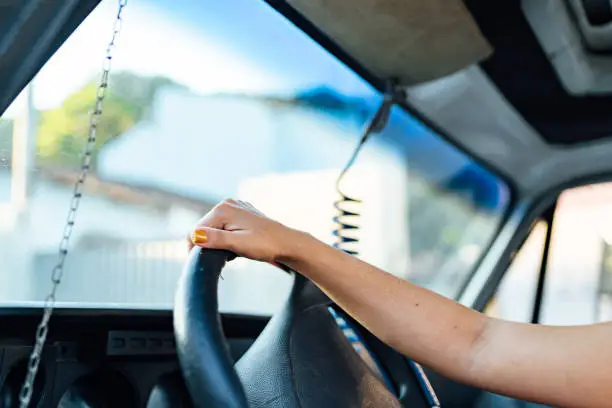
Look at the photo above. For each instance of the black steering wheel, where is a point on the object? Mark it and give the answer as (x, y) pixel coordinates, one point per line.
(203, 354)
(301, 359)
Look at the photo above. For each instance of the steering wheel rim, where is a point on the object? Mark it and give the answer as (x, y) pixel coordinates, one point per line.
(202, 351)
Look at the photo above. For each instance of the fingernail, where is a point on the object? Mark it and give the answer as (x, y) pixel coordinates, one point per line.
(199, 237)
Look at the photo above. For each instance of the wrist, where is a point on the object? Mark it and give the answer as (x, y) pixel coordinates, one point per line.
(293, 246)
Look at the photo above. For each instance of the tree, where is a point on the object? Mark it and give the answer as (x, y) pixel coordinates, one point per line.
(63, 131)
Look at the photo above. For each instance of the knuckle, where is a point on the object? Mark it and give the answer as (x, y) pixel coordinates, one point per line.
(219, 212)
(224, 206)
(215, 211)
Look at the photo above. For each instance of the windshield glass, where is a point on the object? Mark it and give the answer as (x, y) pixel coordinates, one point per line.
(214, 99)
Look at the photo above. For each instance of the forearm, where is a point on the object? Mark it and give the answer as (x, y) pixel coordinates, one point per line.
(396, 311)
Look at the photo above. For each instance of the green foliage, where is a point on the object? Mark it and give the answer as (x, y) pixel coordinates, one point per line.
(63, 131)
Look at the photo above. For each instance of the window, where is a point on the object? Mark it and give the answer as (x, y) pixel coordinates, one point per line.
(515, 296)
(578, 284)
(221, 98)
(577, 289)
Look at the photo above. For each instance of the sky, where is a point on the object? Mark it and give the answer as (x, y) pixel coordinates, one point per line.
(209, 45)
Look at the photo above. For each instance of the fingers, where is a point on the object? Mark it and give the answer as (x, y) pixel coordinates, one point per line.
(205, 237)
(213, 230)
(190, 243)
(215, 219)
(219, 216)
(250, 207)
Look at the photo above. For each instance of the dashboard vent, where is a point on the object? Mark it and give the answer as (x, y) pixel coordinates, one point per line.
(135, 343)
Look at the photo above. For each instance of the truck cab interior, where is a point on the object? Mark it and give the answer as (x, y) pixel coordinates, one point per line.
(478, 118)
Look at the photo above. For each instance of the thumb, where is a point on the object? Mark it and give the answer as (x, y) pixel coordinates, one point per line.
(213, 238)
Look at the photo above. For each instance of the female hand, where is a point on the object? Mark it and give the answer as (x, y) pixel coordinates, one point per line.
(239, 227)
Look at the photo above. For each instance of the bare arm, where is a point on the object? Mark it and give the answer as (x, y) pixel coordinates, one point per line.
(561, 366)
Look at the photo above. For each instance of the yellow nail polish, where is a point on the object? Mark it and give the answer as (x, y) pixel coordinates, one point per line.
(199, 237)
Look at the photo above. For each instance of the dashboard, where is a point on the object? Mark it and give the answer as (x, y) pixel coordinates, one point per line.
(115, 358)
(103, 358)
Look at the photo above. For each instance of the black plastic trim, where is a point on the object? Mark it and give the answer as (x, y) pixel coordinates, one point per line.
(549, 216)
(598, 12)
(11, 86)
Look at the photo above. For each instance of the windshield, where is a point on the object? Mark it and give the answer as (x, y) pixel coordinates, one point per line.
(214, 99)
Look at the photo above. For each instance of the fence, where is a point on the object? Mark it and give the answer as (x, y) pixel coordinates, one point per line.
(136, 274)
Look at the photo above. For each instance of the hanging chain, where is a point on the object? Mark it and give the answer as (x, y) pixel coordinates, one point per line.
(27, 388)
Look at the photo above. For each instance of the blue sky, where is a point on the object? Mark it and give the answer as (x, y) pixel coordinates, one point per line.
(209, 45)
(259, 34)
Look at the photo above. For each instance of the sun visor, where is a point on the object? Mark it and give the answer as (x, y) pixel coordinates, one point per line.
(412, 41)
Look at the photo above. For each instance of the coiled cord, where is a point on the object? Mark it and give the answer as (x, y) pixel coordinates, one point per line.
(345, 218)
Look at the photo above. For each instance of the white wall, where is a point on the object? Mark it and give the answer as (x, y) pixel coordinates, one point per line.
(204, 146)
(40, 229)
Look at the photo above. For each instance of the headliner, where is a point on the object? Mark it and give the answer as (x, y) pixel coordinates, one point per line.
(522, 72)
(511, 111)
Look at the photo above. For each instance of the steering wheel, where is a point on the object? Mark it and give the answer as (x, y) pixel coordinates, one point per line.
(301, 359)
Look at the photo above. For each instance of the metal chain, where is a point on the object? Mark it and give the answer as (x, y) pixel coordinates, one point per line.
(27, 388)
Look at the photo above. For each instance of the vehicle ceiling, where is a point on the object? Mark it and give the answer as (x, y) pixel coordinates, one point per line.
(513, 111)
(523, 73)
(507, 107)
